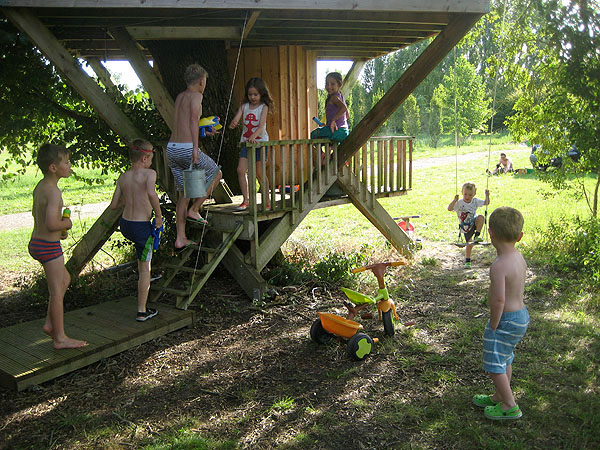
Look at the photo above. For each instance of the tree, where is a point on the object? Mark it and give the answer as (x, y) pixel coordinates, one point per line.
(38, 106)
(412, 122)
(471, 110)
(559, 103)
(436, 127)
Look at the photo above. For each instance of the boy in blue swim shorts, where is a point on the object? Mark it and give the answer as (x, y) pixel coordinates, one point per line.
(509, 317)
(136, 193)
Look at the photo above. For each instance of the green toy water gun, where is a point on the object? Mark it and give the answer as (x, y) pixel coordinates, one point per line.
(208, 124)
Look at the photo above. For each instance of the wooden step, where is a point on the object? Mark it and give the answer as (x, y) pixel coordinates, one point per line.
(198, 270)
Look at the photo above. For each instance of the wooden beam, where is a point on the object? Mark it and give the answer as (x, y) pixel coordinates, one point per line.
(200, 32)
(158, 93)
(406, 84)
(250, 23)
(102, 73)
(93, 240)
(478, 6)
(71, 69)
(352, 76)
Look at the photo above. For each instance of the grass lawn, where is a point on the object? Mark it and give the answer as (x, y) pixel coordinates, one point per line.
(248, 376)
(16, 192)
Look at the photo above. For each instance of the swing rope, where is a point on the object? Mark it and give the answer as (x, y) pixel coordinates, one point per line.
(220, 144)
(500, 51)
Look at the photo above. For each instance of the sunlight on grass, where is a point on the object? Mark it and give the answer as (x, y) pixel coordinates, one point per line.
(16, 193)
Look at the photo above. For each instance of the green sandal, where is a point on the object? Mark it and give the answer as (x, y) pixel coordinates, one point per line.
(482, 400)
(497, 413)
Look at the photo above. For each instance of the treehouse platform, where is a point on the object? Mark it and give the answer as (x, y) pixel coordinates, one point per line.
(27, 356)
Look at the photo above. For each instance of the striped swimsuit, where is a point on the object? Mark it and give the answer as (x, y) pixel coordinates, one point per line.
(44, 251)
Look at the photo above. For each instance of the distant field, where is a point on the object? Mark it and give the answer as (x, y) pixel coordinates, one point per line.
(15, 193)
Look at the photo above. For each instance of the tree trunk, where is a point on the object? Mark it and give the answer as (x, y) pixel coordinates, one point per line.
(171, 59)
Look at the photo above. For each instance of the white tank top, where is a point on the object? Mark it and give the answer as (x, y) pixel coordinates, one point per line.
(250, 121)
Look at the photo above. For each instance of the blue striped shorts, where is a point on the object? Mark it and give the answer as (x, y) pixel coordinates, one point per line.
(499, 345)
(179, 156)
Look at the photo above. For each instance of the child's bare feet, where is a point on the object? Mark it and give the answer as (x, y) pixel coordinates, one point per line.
(47, 328)
(67, 342)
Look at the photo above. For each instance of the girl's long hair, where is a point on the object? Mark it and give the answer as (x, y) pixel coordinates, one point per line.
(263, 90)
(337, 77)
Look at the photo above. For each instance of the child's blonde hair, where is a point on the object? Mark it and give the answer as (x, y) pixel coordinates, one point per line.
(193, 73)
(139, 148)
(50, 154)
(506, 223)
(469, 187)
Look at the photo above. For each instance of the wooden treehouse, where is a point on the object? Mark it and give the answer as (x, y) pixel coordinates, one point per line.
(281, 42)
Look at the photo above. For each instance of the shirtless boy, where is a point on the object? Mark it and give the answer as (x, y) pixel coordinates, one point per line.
(182, 149)
(44, 245)
(509, 317)
(136, 192)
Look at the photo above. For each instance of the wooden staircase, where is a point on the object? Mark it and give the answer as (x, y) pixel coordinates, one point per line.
(209, 255)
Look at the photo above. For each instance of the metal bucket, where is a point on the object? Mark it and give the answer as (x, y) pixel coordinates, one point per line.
(194, 182)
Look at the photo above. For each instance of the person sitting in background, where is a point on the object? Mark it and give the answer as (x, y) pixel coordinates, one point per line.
(504, 165)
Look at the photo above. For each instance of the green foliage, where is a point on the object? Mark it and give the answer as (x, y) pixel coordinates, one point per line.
(412, 116)
(39, 106)
(559, 100)
(332, 269)
(466, 105)
(436, 104)
(571, 247)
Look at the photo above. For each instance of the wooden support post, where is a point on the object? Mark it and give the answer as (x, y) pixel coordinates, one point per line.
(72, 71)
(102, 73)
(352, 76)
(157, 92)
(406, 84)
(93, 240)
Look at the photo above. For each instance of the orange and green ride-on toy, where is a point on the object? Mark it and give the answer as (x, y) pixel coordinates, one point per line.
(359, 343)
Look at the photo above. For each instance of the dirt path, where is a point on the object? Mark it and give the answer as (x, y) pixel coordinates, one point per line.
(25, 219)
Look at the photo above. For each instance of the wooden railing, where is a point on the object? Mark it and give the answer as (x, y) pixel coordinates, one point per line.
(383, 164)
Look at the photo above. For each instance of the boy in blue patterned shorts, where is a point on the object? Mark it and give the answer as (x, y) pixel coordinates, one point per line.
(136, 192)
(509, 318)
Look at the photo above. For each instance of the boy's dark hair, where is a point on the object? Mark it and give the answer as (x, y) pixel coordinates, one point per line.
(50, 154)
(193, 73)
(139, 148)
(260, 85)
(506, 223)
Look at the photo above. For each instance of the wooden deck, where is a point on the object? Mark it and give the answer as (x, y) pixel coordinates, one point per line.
(27, 356)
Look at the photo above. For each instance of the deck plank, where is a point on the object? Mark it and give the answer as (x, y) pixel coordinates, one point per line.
(28, 357)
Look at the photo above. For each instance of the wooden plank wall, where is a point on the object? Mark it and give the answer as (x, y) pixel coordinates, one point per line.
(290, 74)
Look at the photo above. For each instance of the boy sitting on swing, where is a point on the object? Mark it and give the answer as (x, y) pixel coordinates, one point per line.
(470, 223)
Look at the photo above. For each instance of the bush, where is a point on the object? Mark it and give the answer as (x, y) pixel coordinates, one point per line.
(570, 247)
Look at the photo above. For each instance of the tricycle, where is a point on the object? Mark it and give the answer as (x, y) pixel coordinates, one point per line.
(359, 343)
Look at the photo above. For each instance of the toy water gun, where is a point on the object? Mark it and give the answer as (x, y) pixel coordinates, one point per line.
(321, 124)
(209, 124)
(65, 215)
(157, 233)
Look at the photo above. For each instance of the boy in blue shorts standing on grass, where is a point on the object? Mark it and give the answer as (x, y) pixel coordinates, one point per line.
(44, 246)
(136, 192)
(509, 317)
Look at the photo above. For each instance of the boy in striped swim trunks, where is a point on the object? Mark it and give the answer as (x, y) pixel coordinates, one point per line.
(509, 317)
(136, 193)
(48, 225)
(182, 150)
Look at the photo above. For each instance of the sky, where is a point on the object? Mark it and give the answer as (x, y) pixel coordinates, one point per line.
(128, 77)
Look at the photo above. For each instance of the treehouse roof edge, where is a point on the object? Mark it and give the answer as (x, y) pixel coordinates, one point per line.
(448, 6)
(333, 29)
